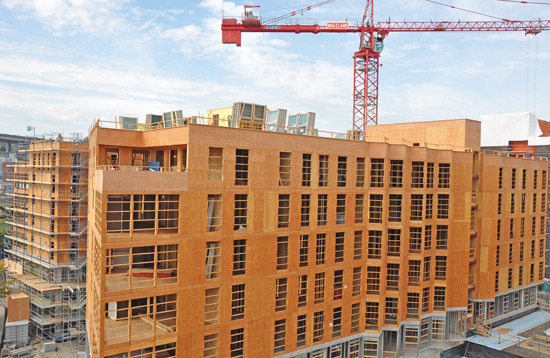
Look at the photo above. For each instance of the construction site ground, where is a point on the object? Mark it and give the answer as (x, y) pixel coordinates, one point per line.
(522, 337)
(63, 351)
(528, 351)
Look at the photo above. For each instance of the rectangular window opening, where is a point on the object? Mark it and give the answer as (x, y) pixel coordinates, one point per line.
(284, 168)
(342, 171)
(241, 167)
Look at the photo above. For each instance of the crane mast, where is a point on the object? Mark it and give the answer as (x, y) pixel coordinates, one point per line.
(367, 57)
(365, 79)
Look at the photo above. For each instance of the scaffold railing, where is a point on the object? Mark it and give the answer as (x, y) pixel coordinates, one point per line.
(45, 244)
(78, 197)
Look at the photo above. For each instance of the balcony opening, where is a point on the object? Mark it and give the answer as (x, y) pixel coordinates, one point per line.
(143, 266)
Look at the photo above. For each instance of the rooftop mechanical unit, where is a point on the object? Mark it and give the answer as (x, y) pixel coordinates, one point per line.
(276, 121)
(248, 115)
(301, 123)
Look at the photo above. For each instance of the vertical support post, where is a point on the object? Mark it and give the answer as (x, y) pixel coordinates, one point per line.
(366, 67)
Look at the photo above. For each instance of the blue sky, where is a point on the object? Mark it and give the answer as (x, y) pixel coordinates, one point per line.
(65, 62)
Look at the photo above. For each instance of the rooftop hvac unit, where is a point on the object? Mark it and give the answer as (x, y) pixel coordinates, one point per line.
(153, 121)
(353, 135)
(276, 120)
(171, 117)
(301, 123)
(193, 120)
(248, 115)
(128, 122)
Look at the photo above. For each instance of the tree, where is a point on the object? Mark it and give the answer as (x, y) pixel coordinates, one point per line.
(4, 283)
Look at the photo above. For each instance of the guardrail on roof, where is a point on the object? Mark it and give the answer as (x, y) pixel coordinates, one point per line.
(514, 154)
(256, 125)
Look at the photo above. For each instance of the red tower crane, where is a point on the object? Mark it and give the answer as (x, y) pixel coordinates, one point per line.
(366, 59)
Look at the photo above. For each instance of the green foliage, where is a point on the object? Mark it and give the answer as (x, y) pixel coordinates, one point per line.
(4, 284)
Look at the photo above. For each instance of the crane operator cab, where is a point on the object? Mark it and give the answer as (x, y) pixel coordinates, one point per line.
(378, 44)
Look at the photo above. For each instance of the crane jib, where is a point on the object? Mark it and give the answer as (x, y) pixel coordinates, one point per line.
(365, 94)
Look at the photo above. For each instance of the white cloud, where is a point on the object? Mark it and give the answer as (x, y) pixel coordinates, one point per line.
(189, 37)
(411, 46)
(96, 79)
(6, 30)
(418, 99)
(55, 95)
(218, 7)
(150, 55)
(76, 15)
(151, 15)
(264, 70)
(516, 36)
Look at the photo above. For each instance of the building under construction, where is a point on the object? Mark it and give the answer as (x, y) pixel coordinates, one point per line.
(523, 134)
(45, 246)
(214, 237)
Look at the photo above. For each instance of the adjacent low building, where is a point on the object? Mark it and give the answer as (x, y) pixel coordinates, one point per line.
(239, 242)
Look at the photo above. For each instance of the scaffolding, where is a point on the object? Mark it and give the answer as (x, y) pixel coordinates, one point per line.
(75, 293)
(45, 246)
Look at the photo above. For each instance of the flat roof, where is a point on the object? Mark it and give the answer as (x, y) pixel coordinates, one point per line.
(518, 336)
(36, 282)
(453, 134)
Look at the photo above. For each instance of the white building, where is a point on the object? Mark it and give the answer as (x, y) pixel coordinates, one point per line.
(499, 130)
